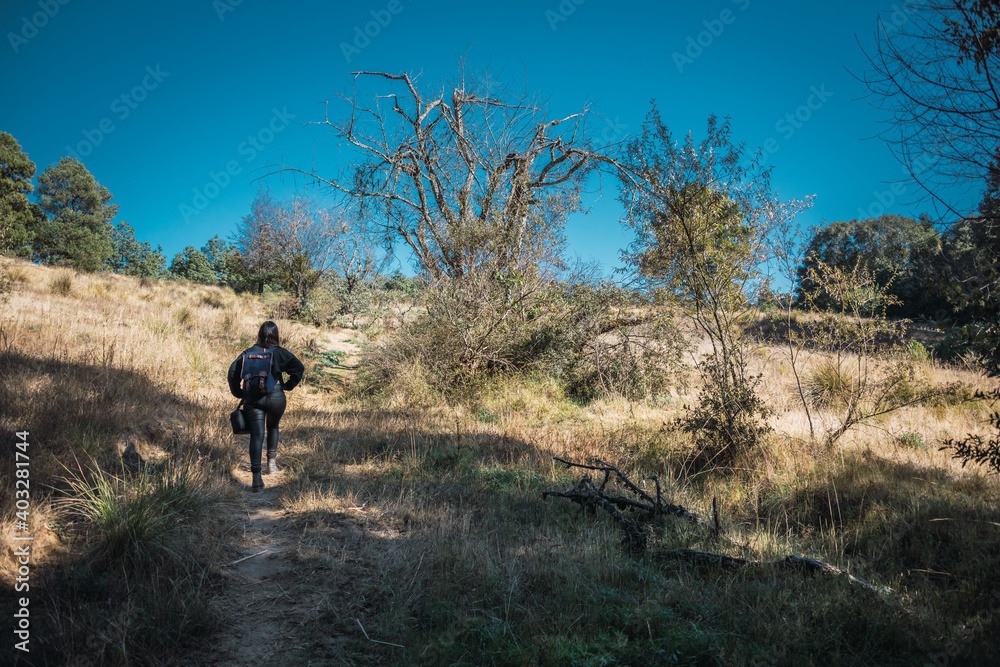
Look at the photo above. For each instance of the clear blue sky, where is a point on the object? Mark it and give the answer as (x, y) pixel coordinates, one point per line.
(200, 77)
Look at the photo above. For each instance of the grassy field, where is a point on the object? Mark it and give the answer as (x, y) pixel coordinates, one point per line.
(409, 528)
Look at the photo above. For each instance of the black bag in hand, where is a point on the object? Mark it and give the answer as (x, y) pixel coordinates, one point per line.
(238, 420)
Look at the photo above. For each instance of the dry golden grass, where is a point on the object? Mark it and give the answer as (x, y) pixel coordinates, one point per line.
(459, 559)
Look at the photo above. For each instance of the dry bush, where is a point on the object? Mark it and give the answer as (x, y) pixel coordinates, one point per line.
(589, 337)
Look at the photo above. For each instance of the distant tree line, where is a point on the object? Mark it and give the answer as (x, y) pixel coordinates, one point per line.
(69, 220)
(925, 274)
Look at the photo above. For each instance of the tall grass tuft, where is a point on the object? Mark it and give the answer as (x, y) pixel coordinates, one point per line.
(231, 318)
(18, 274)
(184, 315)
(139, 590)
(62, 283)
(136, 519)
(829, 383)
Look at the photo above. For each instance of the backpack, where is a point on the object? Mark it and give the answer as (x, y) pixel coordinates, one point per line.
(256, 374)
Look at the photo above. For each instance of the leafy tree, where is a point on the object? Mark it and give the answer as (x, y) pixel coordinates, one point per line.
(902, 256)
(78, 227)
(18, 216)
(398, 282)
(972, 252)
(976, 448)
(219, 255)
(703, 218)
(132, 257)
(192, 265)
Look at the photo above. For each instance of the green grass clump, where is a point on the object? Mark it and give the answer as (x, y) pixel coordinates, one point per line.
(134, 519)
(911, 440)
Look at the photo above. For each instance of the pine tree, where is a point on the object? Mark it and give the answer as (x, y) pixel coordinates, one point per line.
(192, 265)
(132, 257)
(78, 228)
(18, 215)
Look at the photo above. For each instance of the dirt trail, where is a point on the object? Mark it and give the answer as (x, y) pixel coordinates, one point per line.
(267, 597)
(261, 599)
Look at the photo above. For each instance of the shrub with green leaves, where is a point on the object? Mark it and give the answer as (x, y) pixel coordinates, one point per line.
(729, 423)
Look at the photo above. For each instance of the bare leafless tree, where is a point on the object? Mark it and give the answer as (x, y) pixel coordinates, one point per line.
(304, 242)
(356, 256)
(473, 177)
(934, 68)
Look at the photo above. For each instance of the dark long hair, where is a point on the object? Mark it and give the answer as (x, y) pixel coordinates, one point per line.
(267, 337)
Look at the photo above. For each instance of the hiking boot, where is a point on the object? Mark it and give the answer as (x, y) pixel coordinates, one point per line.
(272, 466)
(258, 483)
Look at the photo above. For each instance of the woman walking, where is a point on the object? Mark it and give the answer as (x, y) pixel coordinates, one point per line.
(256, 377)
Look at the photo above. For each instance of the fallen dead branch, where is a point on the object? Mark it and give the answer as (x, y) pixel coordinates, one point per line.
(794, 562)
(589, 495)
(586, 492)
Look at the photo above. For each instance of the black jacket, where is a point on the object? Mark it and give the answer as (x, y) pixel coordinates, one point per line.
(284, 362)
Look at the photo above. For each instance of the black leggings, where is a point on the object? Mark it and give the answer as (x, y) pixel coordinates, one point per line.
(264, 412)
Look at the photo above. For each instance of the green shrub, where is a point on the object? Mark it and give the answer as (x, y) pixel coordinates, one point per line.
(486, 416)
(332, 358)
(586, 336)
(918, 352)
(729, 423)
(911, 440)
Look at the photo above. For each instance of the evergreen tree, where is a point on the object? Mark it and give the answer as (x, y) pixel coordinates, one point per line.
(78, 228)
(132, 257)
(255, 244)
(219, 255)
(18, 215)
(972, 249)
(192, 265)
